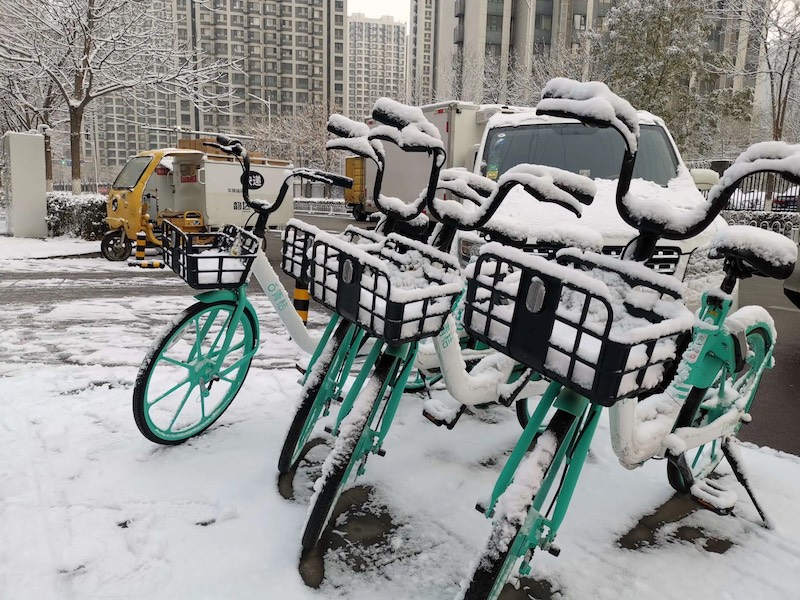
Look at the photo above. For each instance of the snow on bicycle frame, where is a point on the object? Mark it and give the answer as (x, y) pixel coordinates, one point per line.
(399, 291)
(215, 260)
(604, 327)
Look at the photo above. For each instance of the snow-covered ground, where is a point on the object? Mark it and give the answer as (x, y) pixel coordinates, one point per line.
(90, 509)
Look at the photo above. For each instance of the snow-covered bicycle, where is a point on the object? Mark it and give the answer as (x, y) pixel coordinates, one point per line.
(343, 276)
(198, 363)
(605, 332)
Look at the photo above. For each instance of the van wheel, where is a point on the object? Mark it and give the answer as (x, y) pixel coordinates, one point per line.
(115, 245)
(358, 213)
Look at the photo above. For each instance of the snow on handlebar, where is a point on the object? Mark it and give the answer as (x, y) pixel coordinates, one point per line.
(546, 184)
(593, 103)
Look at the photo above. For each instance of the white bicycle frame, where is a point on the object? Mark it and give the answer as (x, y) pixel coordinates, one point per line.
(268, 278)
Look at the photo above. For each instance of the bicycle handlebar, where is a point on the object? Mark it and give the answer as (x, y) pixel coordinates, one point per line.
(235, 148)
(407, 128)
(546, 184)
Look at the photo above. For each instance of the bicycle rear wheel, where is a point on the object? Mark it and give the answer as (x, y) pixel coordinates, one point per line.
(510, 528)
(703, 406)
(311, 404)
(353, 442)
(182, 387)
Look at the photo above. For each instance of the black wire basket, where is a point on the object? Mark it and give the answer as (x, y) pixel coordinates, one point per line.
(598, 325)
(298, 239)
(213, 260)
(399, 290)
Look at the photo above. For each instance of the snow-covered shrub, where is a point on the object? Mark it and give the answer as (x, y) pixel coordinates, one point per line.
(76, 216)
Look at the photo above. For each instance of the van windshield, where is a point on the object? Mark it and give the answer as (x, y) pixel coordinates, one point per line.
(591, 151)
(131, 172)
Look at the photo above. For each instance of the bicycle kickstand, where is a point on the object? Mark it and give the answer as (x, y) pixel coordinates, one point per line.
(735, 461)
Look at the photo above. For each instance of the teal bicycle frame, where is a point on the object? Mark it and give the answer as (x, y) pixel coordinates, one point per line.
(709, 361)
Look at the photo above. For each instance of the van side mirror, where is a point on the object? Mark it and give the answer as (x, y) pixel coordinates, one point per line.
(704, 179)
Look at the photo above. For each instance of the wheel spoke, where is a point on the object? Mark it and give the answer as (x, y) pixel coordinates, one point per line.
(175, 361)
(235, 365)
(170, 390)
(180, 408)
(221, 331)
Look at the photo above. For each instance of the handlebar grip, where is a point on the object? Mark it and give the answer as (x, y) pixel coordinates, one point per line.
(340, 180)
(224, 140)
(324, 177)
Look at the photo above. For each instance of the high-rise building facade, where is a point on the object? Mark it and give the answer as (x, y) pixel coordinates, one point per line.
(430, 49)
(292, 53)
(489, 34)
(377, 62)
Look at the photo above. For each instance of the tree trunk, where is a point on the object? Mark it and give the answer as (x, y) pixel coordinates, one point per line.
(75, 126)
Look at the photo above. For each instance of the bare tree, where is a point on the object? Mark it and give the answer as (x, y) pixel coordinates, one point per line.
(525, 86)
(299, 137)
(775, 34)
(88, 49)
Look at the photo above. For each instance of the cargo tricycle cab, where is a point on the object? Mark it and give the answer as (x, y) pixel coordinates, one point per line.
(194, 191)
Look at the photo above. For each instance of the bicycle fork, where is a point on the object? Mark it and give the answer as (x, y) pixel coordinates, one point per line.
(540, 528)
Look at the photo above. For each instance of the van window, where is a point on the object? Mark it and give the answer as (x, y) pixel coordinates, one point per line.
(131, 172)
(591, 151)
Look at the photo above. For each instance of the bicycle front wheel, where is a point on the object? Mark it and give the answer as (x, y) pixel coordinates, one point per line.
(339, 464)
(703, 406)
(311, 404)
(510, 527)
(191, 376)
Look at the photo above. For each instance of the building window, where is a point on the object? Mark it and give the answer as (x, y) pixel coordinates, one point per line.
(544, 22)
(579, 21)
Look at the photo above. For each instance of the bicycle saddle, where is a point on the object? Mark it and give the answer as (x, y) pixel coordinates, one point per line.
(757, 250)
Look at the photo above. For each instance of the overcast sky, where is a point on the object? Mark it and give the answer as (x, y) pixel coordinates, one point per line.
(375, 9)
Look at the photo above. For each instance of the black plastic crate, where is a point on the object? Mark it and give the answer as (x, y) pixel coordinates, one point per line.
(212, 260)
(563, 326)
(398, 290)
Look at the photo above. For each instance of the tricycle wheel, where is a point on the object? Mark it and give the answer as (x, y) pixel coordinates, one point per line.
(115, 245)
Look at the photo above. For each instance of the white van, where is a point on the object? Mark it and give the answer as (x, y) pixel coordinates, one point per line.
(512, 139)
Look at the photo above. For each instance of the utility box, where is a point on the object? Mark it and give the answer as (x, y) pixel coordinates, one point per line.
(24, 185)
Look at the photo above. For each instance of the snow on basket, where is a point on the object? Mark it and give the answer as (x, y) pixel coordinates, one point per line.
(604, 327)
(298, 239)
(210, 260)
(397, 289)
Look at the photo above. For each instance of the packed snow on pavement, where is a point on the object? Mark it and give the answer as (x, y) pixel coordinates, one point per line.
(90, 509)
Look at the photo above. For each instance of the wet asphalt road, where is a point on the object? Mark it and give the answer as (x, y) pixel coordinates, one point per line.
(776, 412)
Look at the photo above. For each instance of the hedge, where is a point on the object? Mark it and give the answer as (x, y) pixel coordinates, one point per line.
(76, 216)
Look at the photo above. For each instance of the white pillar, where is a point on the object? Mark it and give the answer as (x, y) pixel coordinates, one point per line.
(24, 184)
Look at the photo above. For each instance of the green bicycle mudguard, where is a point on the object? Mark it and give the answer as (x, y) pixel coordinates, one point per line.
(212, 296)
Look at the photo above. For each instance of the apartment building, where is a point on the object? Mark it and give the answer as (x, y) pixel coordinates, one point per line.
(292, 53)
(430, 49)
(377, 62)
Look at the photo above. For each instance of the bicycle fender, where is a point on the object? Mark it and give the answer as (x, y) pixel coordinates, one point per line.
(212, 296)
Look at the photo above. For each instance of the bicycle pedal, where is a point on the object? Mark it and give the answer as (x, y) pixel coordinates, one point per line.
(713, 496)
(482, 506)
(442, 415)
(381, 452)
(328, 429)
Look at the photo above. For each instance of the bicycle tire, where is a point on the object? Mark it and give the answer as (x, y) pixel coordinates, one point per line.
(298, 434)
(339, 463)
(160, 369)
(494, 567)
(708, 456)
